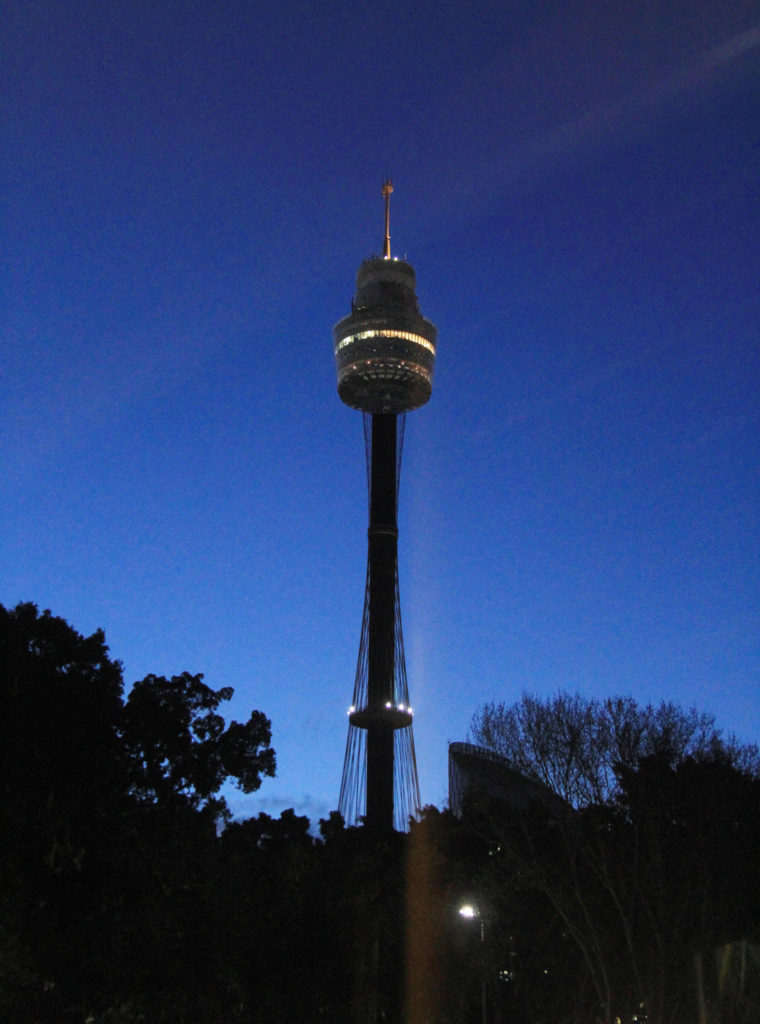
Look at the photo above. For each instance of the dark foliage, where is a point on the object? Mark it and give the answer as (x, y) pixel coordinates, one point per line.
(643, 904)
(109, 816)
(178, 747)
(122, 900)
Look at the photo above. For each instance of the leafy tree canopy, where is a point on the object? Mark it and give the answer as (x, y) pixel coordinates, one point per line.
(630, 896)
(68, 737)
(179, 748)
(108, 808)
(577, 746)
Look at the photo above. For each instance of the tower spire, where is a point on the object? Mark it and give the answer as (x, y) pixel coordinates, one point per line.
(387, 189)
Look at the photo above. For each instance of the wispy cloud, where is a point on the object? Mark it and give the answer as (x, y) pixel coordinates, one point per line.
(245, 806)
(734, 47)
(627, 114)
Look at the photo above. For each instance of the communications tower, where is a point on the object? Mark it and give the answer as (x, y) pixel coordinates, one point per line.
(384, 357)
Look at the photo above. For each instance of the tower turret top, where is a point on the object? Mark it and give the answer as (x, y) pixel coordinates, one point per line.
(385, 348)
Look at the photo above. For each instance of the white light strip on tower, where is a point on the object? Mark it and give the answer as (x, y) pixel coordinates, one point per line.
(404, 335)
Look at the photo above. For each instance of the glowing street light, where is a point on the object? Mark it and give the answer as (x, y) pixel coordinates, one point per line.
(470, 912)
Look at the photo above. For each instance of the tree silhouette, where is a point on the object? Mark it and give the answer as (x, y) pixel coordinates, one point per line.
(109, 814)
(621, 898)
(126, 894)
(178, 747)
(575, 745)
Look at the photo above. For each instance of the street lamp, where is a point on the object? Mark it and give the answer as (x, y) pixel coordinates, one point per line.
(471, 912)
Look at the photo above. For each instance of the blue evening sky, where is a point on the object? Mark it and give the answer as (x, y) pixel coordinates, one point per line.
(190, 187)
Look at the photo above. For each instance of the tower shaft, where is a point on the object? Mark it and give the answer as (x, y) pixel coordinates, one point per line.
(382, 576)
(379, 781)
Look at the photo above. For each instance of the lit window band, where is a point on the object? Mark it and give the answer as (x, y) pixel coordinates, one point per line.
(404, 335)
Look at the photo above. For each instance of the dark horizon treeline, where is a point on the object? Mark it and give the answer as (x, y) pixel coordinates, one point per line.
(122, 900)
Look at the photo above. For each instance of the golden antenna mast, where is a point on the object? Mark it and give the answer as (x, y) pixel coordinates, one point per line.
(387, 189)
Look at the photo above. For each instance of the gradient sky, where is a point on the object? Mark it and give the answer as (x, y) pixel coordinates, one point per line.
(190, 187)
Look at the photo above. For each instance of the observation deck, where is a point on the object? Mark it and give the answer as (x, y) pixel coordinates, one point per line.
(385, 348)
(398, 716)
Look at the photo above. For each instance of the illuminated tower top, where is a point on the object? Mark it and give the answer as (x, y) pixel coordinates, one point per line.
(385, 348)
